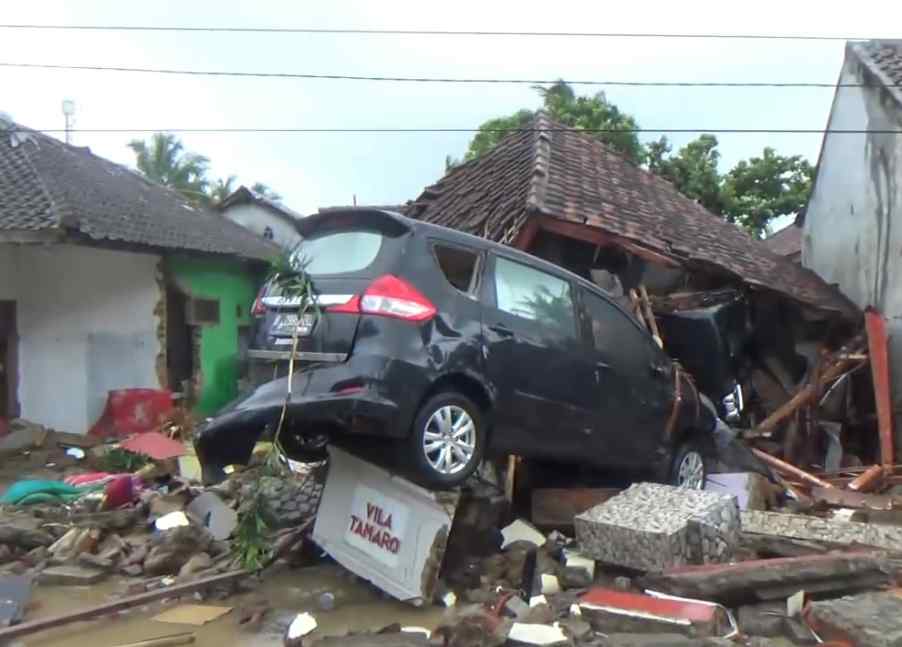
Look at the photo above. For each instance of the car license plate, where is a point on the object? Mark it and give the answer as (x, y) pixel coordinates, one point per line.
(287, 323)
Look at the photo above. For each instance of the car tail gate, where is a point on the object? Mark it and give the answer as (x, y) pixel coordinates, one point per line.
(349, 257)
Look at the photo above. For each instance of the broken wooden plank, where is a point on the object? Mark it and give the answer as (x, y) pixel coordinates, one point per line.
(878, 348)
(556, 507)
(868, 480)
(769, 579)
(788, 468)
(650, 316)
(804, 396)
(850, 499)
(171, 592)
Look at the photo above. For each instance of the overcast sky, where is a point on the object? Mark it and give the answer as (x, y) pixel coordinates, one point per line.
(313, 170)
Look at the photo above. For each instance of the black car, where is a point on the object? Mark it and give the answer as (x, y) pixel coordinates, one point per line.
(449, 346)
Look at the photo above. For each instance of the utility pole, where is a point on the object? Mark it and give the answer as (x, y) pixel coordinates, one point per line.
(69, 114)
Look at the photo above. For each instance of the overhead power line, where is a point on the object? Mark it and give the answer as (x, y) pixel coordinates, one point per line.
(428, 32)
(716, 131)
(419, 79)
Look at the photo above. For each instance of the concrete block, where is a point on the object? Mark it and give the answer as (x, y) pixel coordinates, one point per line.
(867, 620)
(652, 527)
(72, 575)
(833, 531)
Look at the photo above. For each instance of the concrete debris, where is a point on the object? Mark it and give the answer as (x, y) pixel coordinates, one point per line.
(214, 515)
(866, 620)
(651, 527)
(808, 527)
(608, 610)
(774, 579)
(576, 560)
(520, 530)
(72, 575)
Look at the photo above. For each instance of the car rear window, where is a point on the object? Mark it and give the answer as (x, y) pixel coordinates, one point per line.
(343, 252)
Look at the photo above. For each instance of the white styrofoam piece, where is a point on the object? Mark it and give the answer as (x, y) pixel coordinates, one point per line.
(303, 624)
(533, 634)
(519, 530)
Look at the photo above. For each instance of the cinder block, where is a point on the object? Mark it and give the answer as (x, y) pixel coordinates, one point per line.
(652, 527)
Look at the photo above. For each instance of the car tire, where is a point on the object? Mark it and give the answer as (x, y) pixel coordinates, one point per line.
(690, 467)
(447, 441)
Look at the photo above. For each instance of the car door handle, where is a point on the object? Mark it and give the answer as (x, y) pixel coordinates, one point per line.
(602, 365)
(502, 330)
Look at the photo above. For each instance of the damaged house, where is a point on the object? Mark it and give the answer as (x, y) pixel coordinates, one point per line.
(852, 234)
(108, 281)
(267, 218)
(750, 325)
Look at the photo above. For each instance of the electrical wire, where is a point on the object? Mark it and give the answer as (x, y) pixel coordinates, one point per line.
(415, 79)
(430, 32)
(716, 131)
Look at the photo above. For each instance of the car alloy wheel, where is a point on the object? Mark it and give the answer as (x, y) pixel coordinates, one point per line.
(449, 439)
(691, 471)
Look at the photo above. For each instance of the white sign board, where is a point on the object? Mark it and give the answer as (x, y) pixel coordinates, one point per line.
(376, 525)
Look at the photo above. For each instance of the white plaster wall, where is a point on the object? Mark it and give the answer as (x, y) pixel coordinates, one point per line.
(86, 325)
(853, 226)
(256, 219)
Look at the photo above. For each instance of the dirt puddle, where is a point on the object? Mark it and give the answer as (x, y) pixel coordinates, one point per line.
(357, 607)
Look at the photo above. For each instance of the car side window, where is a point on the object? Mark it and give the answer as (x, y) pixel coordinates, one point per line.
(535, 295)
(459, 265)
(611, 330)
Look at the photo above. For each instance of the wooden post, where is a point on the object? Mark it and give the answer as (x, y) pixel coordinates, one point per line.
(792, 470)
(868, 480)
(878, 348)
(650, 316)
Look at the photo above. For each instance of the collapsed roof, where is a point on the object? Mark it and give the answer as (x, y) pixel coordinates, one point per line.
(549, 170)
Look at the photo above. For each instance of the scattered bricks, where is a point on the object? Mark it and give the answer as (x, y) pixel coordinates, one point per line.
(72, 575)
(866, 620)
(817, 529)
(652, 527)
(773, 579)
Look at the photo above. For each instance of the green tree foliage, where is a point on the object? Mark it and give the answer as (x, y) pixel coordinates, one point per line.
(758, 190)
(751, 194)
(222, 189)
(693, 170)
(561, 104)
(164, 160)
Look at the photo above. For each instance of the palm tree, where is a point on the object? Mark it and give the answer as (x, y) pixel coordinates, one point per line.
(164, 160)
(264, 190)
(222, 189)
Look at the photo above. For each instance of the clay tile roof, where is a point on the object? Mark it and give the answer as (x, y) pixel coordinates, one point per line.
(786, 242)
(884, 60)
(555, 171)
(49, 186)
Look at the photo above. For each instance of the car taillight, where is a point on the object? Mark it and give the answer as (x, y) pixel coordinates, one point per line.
(259, 309)
(389, 296)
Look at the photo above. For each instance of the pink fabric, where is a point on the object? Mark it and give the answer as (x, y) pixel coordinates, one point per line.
(155, 445)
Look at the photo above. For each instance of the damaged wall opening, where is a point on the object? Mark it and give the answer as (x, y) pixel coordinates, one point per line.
(180, 365)
(8, 360)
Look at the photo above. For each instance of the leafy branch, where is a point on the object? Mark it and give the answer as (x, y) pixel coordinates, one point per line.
(289, 278)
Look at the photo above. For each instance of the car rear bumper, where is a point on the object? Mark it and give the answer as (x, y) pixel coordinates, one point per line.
(346, 400)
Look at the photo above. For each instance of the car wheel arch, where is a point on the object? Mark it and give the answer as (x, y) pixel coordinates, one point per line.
(462, 383)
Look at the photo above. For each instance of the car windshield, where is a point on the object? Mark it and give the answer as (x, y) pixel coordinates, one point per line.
(342, 252)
